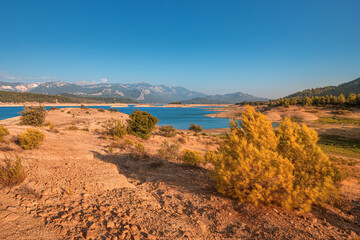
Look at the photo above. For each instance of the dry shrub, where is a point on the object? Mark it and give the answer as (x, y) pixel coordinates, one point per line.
(182, 140)
(12, 173)
(168, 151)
(139, 151)
(139, 148)
(192, 158)
(3, 132)
(167, 131)
(31, 138)
(195, 128)
(34, 116)
(115, 128)
(285, 167)
(73, 127)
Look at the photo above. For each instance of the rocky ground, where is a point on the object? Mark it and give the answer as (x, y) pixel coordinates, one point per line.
(77, 189)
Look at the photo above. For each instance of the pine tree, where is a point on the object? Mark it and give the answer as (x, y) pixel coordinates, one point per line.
(247, 166)
(315, 175)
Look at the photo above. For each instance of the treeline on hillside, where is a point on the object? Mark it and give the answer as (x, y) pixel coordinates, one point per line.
(351, 100)
(345, 88)
(17, 97)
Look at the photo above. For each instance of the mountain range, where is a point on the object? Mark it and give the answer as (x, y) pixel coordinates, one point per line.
(344, 88)
(140, 92)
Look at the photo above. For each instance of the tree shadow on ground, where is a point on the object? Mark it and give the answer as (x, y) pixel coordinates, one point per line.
(157, 170)
(346, 216)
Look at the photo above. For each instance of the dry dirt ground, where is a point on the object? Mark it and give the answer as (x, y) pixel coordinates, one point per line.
(76, 188)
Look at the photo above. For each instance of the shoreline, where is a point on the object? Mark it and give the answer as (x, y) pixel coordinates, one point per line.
(111, 105)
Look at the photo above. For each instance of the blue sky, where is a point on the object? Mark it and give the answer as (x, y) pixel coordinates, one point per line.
(266, 48)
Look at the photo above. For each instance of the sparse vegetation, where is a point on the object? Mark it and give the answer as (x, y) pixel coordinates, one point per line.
(101, 110)
(115, 128)
(140, 148)
(30, 139)
(168, 150)
(195, 128)
(338, 120)
(114, 110)
(3, 132)
(73, 127)
(12, 173)
(34, 116)
(141, 124)
(340, 112)
(339, 145)
(167, 131)
(283, 167)
(182, 140)
(192, 158)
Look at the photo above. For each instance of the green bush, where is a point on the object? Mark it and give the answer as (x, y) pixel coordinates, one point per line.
(31, 138)
(101, 110)
(141, 124)
(168, 151)
(3, 132)
(192, 158)
(34, 116)
(285, 167)
(115, 128)
(195, 128)
(167, 131)
(12, 173)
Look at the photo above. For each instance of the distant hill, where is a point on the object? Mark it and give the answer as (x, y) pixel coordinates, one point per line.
(19, 97)
(140, 92)
(223, 99)
(202, 100)
(345, 88)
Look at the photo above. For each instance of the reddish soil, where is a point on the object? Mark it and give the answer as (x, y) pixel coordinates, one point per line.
(76, 189)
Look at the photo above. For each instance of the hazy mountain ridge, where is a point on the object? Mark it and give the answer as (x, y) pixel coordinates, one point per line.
(140, 91)
(225, 98)
(344, 88)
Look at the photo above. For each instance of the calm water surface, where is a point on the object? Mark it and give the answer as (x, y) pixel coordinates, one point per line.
(179, 117)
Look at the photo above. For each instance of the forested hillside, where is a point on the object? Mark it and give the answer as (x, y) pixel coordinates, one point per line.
(346, 89)
(18, 97)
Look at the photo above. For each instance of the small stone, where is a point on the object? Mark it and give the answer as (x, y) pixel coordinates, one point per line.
(151, 237)
(135, 237)
(90, 234)
(134, 228)
(110, 224)
(45, 192)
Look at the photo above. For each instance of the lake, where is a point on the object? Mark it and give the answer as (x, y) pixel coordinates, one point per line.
(179, 117)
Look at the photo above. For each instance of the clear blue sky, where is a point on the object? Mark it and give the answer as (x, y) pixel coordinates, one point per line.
(266, 48)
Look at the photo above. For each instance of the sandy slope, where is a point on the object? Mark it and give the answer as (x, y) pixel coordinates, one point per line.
(76, 189)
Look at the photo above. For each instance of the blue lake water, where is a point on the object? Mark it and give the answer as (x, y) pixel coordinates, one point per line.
(179, 117)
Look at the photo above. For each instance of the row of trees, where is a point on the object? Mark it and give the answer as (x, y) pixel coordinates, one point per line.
(351, 100)
(17, 97)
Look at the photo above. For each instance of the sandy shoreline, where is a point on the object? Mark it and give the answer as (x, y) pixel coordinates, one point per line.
(111, 105)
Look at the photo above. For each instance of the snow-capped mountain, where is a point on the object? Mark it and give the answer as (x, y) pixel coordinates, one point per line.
(140, 91)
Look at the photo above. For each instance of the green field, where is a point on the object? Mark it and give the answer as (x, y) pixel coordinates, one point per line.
(339, 120)
(341, 146)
